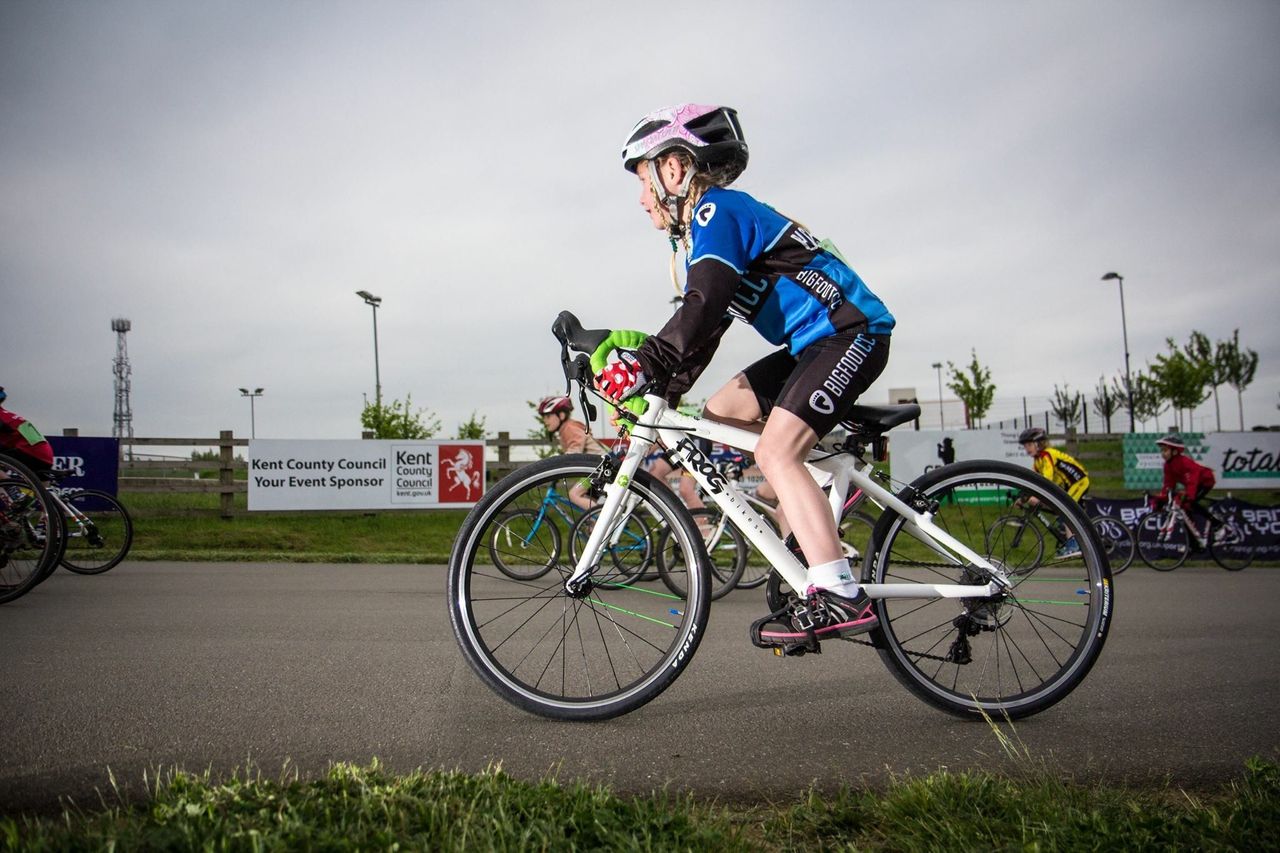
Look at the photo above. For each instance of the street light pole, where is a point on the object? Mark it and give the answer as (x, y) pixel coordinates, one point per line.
(1124, 328)
(937, 365)
(253, 396)
(373, 302)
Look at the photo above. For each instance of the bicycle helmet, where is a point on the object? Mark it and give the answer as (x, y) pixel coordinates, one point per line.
(551, 405)
(1172, 442)
(711, 134)
(1032, 434)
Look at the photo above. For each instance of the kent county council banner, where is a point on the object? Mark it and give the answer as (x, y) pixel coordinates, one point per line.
(357, 474)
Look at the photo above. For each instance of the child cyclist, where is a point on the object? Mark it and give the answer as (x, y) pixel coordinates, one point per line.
(747, 261)
(1187, 480)
(572, 435)
(1059, 467)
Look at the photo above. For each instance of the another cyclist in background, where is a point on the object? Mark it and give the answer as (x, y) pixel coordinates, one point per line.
(746, 260)
(20, 440)
(1059, 467)
(572, 435)
(1184, 478)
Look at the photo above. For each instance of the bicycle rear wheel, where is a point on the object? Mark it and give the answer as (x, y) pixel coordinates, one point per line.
(524, 544)
(1163, 542)
(1013, 654)
(1117, 542)
(99, 532)
(601, 651)
(725, 548)
(27, 516)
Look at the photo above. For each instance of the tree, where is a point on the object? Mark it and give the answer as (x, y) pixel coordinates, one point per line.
(399, 420)
(1240, 367)
(472, 429)
(1209, 358)
(1106, 401)
(1066, 407)
(1148, 401)
(974, 389)
(1180, 380)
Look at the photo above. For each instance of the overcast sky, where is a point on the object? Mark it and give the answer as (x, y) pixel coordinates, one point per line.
(227, 174)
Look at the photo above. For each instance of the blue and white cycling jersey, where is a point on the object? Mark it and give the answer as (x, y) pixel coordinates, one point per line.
(748, 261)
(791, 290)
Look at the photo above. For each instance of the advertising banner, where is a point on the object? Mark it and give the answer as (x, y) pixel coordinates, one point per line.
(288, 474)
(1240, 460)
(95, 461)
(913, 453)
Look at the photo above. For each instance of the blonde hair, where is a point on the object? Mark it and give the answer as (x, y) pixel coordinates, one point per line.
(702, 180)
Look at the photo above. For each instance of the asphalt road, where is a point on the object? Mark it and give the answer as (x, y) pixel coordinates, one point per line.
(197, 665)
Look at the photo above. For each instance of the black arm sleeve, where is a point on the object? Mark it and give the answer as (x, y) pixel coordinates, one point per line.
(685, 345)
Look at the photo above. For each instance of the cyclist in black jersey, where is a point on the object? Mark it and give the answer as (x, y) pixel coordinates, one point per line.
(746, 261)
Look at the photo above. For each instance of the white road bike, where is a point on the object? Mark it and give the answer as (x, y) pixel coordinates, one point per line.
(966, 622)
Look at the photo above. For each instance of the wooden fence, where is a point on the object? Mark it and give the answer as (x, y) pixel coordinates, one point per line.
(140, 474)
(134, 473)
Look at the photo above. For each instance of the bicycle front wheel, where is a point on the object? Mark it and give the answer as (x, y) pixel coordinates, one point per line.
(603, 650)
(1163, 541)
(29, 541)
(629, 545)
(1013, 654)
(1117, 542)
(99, 532)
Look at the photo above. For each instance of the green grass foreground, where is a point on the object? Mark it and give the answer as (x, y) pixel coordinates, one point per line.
(367, 808)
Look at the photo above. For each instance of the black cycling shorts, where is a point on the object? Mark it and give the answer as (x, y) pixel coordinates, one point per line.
(821, 385)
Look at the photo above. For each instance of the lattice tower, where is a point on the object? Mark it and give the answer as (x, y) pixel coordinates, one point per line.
(122, 421)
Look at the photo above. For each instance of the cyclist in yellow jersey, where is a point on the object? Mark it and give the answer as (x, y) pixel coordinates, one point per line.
(1053, 464)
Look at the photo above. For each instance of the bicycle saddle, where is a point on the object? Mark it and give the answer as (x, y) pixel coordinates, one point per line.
(879, 418)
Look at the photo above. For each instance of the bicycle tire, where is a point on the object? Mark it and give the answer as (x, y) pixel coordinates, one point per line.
(92, 551)
(604, 651)
(1019, 535)
(631, 549)
(1117, 542)
(524, 544)
(27, 515)
(1034, 643)
(727, 556)
(1229, 547)
(1162, 550)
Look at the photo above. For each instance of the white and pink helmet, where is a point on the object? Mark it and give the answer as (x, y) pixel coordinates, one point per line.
(711, 134)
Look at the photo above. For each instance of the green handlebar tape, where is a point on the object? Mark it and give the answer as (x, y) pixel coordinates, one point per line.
(618, 339)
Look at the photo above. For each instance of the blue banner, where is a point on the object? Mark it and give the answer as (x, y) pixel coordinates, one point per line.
(1262, 523)
(95, 461)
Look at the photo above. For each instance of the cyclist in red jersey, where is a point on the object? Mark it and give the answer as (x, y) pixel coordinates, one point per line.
(1180, 470)
(20, 440)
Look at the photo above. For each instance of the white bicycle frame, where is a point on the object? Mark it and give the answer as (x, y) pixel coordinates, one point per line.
(677, 431)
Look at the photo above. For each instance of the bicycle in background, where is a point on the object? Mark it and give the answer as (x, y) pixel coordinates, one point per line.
(1027, 531)
(1167, 536)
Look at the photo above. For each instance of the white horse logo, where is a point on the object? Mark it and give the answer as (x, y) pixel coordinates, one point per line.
(459, 470)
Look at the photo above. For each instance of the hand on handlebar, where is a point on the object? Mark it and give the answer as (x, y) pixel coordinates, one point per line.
(621, 378)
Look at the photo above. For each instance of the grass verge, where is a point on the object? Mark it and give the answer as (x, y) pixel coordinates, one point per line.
(362, 808)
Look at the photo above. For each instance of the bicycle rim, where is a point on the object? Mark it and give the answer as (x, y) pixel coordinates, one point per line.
(1117, 543)
(101, 538)
(1230, 549)
(592, 656)
(524, 544)
(724, 547)
(1011, 655)
(1162, 546)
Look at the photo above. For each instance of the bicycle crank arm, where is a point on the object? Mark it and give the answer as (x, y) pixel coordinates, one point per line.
(930, 590)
